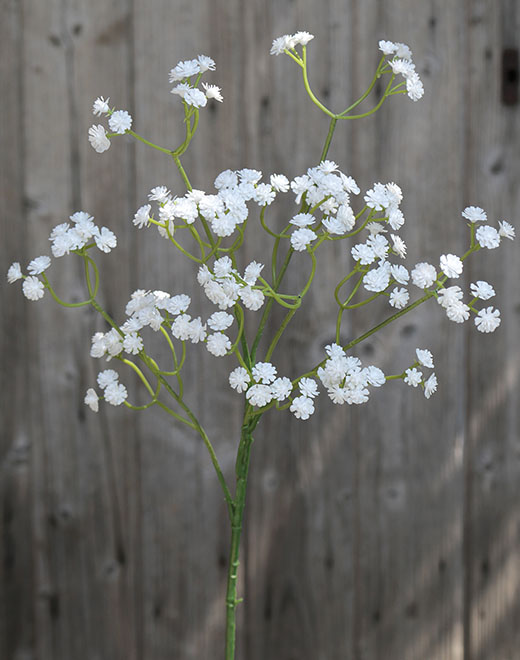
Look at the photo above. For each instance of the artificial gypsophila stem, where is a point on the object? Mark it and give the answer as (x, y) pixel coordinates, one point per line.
(148, 143)
(59, 300)
(310, 92)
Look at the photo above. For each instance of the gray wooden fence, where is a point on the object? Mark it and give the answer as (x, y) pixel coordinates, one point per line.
(390, 531)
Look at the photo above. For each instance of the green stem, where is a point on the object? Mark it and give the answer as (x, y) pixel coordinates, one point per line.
(150, 144)
(241, 471)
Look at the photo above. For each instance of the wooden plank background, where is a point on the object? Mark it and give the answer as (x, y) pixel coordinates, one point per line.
(390, 531)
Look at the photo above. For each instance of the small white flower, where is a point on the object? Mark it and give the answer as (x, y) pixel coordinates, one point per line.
(206, 63)
(301, 238)
(423, 275)
(451, 265)
(213, 92)
(302, 220)
(239, 379)
(105, 239)
(279, 182)
(506, 230)
(488, 237)
(413, 377)
(142, 216)
(374, 376)
(120, 121)
(400, 274)
(184, 70)
(107, 377)
(99, 347)
(377, 279)
(399, 246)
(430, 386)
(449, 295)
(218, 344)
(91, 399)
(33, 288)
(387, 47)
(424, 357)
(198, 330)
(280, 44)
(363, 253)
(399, 298)
(264, 194)
(264, 372)
(457, 311)
(253, 299)
(308, 387)
(132, 343)
(482, 290)
(259, 395)
(14, 273)
(487, 320)
(220, 321)
(100, 106)
(115, 394)
(302, 38)
(414, 86)
(281, 388)
(302, 407)
(39, 265)
(474, 214)
(196, 98)
(159, 194)
(97, 136)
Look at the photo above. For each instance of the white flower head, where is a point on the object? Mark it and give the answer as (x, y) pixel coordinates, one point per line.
(487, 320)
(39, 265)
(100, 106)
(142, 216)
(196, 98)
(488, 237)
(183, 70)
(399, 298)
(218, 344)
(302, 407)
(213, 92)
(482, 290)
(308, 387)
(279, 182)
(107, 377)
(105, 239)
(506, 230)
(474, 214)
(97, 136)
(413, 377)
(264, 372)
(239, 379)
(115, 394)
(33, 288)
(14, 273)
(91, 399)
(451, 265)
(281, 388)
(205, 63)
(424, 357)
(220, 321)
(120, 121)
(424, 275)
(430, 386)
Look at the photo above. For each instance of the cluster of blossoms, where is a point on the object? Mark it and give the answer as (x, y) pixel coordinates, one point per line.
(114, 392)
(323, 194)
(400, 60)
(119, 122)
(225, 286)
(65, 238)
(183, 72)
(224, 211)
(288, 42)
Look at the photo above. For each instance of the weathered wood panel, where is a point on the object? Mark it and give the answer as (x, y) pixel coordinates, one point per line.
(389, 531)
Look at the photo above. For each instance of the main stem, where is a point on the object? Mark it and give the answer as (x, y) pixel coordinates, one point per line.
(241, 469)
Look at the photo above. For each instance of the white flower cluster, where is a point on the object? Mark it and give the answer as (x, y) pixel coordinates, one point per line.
(225, 286)
(262, 386)
(65, 238)
(401, 63)
(414, 377)
(223, 211)
(115, 392)
(450, 298)
(487, 236)
(182, 73)
(345, 379)
(323, 189)
(119, 121)
(290, 41)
